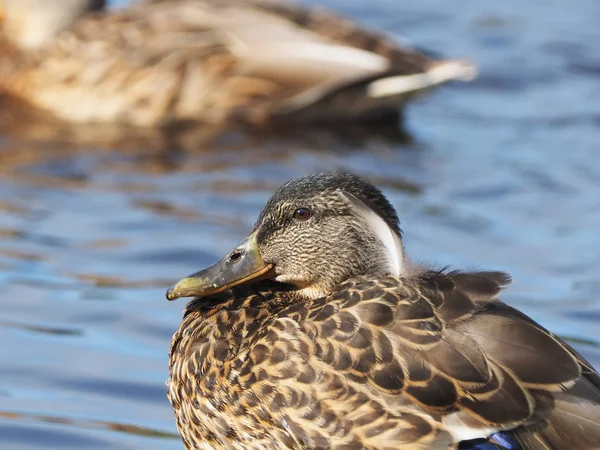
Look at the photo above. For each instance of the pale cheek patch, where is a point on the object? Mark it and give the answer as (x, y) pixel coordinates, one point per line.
(392, 245)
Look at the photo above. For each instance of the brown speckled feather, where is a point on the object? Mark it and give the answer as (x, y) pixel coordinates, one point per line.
(159, 62)
(380, 363)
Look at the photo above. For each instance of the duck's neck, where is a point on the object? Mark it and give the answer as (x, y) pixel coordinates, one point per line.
(325, 287)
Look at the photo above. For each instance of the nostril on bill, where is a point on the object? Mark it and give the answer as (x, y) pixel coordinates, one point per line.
(235, 256)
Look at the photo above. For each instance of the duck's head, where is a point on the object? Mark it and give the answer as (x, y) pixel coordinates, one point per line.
(314, 233)
(32, 23)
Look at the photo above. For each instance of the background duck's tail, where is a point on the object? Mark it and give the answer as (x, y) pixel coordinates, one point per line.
(374, 96)
(438, 73)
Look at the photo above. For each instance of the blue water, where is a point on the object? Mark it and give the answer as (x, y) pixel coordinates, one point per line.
(502, 173)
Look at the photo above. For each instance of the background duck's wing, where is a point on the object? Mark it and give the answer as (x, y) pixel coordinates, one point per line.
(159, 61)
(374, 89)
(318, 64)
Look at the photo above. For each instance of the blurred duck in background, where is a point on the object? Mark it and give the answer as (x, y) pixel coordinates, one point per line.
(160, 62)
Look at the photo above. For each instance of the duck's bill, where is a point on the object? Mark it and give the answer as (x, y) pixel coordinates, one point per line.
(241, 265)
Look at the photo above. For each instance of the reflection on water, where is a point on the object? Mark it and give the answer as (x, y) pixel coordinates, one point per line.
(89, 424)
(96, 222)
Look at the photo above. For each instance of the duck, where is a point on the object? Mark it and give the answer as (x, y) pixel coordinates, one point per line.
(318, 332)
(157, 63)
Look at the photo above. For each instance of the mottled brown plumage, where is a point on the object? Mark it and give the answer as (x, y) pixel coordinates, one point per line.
(219, 61)
(340, 346)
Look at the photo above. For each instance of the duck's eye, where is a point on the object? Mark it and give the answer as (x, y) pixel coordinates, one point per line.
(302, 214)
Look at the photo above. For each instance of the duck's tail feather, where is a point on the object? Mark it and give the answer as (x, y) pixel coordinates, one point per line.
(574, 421)
(373, 96)
(569, 421)
(439, 72)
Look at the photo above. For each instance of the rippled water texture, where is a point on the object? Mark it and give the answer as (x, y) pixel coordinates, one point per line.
(502, 173)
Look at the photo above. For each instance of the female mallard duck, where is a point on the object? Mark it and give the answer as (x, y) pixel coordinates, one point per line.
(217, 61)
(340, 343)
